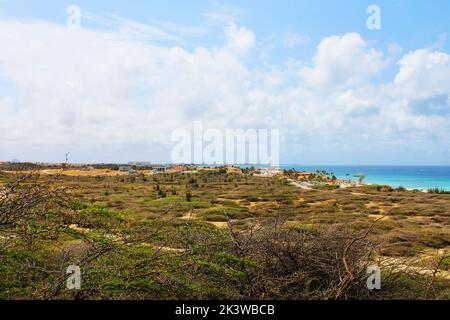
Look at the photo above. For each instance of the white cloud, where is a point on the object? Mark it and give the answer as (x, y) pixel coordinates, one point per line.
(88, 87)
(394, 49)
(343, 61)
(112, 97)
(424, 74)
(240, 39)
(6, 105)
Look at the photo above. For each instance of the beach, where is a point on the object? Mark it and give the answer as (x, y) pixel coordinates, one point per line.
(409, 177)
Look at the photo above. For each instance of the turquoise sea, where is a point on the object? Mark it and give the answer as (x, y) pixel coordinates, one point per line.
(411, 177)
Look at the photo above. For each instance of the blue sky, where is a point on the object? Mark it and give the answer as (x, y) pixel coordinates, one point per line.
(283, 64)
(411, 23)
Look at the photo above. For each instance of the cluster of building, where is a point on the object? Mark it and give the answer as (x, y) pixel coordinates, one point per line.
(311, 179)
(181, 169)
(268, 172)
(299, 178)
(133, 168)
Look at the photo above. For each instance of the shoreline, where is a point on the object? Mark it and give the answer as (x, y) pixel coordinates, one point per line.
(420, 178)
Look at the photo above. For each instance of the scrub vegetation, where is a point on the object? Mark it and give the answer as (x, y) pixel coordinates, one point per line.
(215, 235)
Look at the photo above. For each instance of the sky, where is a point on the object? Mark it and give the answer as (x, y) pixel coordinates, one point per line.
(115, 87)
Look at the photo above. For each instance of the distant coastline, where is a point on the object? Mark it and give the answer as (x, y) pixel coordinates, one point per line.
(410, 177)
(419, 177)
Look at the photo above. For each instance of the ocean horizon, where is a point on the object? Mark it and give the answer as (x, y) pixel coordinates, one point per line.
(407, 176)
(420, 177)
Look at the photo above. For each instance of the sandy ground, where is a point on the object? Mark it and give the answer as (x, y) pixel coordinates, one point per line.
(413, 265)
(300, 186)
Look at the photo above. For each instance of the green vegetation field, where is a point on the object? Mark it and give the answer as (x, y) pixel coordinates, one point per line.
(218, 236)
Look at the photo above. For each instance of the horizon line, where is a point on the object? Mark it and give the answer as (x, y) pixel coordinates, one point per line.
(225, 164)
